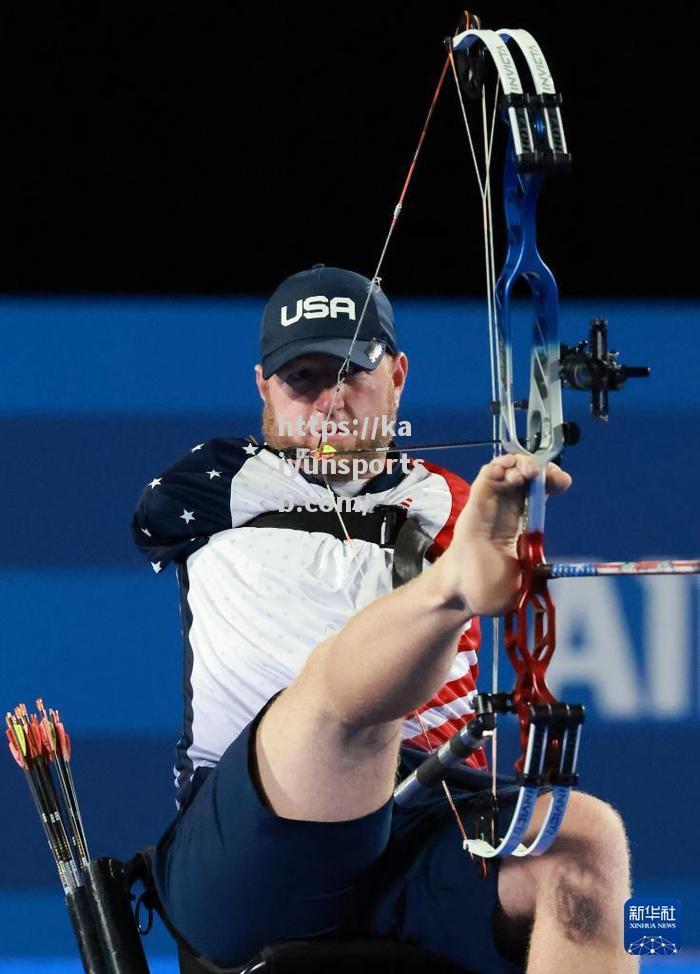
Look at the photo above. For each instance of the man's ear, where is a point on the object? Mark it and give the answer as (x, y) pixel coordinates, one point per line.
(399, 372)
(261, 383)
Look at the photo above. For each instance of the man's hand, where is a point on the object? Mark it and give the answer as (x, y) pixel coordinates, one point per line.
(482, 555)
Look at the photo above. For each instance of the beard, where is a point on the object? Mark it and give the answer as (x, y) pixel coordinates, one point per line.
(358, 446)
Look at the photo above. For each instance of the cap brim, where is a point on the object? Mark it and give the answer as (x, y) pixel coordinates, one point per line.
(327, 346)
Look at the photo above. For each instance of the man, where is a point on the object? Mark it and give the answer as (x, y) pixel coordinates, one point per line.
(286, 827)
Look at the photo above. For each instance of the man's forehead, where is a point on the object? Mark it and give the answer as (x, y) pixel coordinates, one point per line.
(314, 361)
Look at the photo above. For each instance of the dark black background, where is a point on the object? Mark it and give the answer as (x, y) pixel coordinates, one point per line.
(214, 147)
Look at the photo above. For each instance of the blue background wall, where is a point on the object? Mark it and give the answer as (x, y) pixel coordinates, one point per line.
(97, 397)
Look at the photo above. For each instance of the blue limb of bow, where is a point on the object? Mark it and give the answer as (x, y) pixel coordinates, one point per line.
(549, 730)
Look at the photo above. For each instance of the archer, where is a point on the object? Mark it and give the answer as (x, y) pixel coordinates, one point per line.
(309, 680)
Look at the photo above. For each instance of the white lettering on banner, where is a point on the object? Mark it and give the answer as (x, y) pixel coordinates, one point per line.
(318, 306)
(603, 657)
(636, 667)
(668, 653)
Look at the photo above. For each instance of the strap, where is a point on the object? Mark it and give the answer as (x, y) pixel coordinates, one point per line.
(410, 549)
(387, 525)
(380, 526)
(139, 869)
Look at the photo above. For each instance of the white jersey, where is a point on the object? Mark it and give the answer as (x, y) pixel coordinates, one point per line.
(255, 601)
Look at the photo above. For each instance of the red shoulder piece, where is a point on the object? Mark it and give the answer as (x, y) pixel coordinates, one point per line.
(459, 493)
(442, 724)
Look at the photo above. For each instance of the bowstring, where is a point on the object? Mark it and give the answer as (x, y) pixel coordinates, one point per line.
(376, 279)
(498, 447)
(374, 285)
(345, 367)
(490, 268)
(484, 184)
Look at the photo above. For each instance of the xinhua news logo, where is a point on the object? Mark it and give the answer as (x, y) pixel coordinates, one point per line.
(653, 927)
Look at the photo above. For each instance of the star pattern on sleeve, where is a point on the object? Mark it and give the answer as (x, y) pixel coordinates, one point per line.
(196, 492)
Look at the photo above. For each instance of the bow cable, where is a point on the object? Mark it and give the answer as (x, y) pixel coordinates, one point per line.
(375, 283)
(344, 368)
(376, 279)
(484, 185)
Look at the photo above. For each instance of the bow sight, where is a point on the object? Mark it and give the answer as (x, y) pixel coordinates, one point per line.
(590, 367)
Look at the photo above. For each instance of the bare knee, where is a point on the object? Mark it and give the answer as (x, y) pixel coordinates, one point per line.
(588, 878)
(593, 833)
(581, 883)
(577, 894)
(314, 765)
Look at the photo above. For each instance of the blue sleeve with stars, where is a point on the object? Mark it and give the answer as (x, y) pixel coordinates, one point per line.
(182, 508)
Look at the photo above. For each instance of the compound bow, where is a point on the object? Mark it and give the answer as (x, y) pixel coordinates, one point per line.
(549, 730)
(536, 146)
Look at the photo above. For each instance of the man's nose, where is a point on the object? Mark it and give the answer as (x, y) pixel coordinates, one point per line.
(326, 397)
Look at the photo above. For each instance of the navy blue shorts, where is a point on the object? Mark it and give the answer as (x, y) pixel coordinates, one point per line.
(234, 877)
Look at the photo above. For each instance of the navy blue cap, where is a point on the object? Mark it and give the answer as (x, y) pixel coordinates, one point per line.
(318, 311)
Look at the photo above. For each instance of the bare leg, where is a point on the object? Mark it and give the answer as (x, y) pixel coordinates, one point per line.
(574, 894)
(327, 749)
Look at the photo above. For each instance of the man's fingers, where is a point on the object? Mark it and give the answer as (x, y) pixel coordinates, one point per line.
(558, 480)
(514, 468)
(517, 476)
(517, 469)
